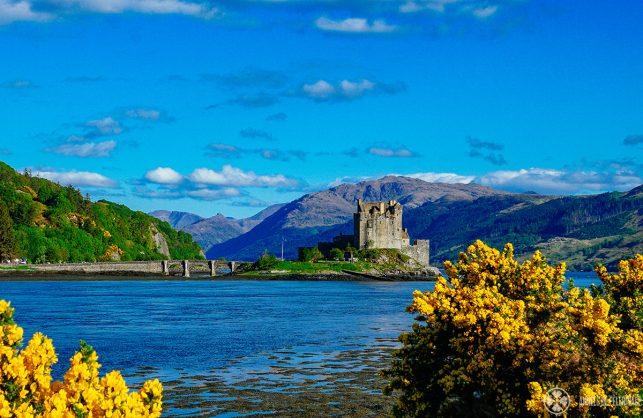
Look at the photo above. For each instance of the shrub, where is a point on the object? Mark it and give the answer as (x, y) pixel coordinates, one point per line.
(498, 335)
(27, 390)
(336, 254)
(266, 262)
(311, 254)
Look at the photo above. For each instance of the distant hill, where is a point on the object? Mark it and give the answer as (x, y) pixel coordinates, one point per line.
(216, 229)
(46, 222)
(581, 230)
(177, 220)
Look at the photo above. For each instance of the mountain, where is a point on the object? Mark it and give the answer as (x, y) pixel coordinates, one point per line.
(581, 230)
(216, 229)
(319, 216)
(177, 220)
(46, 222)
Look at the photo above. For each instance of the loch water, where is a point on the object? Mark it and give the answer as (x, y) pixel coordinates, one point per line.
(229, 335)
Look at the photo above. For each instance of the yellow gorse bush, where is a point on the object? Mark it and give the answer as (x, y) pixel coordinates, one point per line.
(27, 390)
(498, 334)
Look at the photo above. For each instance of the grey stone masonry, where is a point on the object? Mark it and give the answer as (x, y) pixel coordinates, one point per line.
(379, 225)
(160, 268)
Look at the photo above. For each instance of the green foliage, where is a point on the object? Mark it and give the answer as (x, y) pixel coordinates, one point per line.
(266, 262)
(311, 254)
(336, 254)
(54, 223)
(536, 222)
(308, 267)
(387, 255)
(7, 241)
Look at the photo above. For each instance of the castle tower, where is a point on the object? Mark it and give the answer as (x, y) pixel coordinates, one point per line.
(379, 225)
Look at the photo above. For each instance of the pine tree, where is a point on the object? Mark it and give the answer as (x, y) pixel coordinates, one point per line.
(7, 241)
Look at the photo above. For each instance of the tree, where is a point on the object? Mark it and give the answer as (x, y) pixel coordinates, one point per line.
(336, 254)
(7, 240)
(266, 261)
(311, 254)
(498, 336)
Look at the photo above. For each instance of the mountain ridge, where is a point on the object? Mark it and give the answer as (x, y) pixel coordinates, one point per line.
(581, 230)
(215, 229)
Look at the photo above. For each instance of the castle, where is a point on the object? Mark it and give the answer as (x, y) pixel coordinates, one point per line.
(379, 225)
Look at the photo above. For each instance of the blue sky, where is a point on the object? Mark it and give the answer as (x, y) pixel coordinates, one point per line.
(233, 105)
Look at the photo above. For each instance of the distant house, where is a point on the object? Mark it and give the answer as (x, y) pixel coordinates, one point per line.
(379, 225)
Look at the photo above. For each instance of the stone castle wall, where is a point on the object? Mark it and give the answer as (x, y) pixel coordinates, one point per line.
(379, 225)
(419, 251)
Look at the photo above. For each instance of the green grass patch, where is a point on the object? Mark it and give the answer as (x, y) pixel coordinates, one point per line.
(309, 267)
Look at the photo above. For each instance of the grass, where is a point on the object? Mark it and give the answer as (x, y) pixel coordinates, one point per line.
(309, 267)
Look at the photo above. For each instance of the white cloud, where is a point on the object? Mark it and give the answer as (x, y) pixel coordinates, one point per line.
(143, 6)
(444, 6)
(354, 25)
(346, 89)
(232, 176)
(106, 126)
(483, 12)
(321, 89)
(541, 180)
(149, 114)
(87, 149)
(391, 152)
(216, 194)
(164, 175)
(77, 178)
(412, 6)
(442, 177)
(20, 11)
(552, 181)
(354, 89)
(228, 148)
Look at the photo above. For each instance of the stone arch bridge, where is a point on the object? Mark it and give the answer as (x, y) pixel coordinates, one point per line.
(161, 268)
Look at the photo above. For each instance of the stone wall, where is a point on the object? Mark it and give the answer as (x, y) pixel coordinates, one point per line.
(138, 267)
(419, 251)
(379, 225)
(141, 267)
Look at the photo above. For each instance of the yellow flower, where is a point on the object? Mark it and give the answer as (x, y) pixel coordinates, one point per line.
(31, 392)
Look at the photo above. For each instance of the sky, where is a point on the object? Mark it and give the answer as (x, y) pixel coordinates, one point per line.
(232, 105)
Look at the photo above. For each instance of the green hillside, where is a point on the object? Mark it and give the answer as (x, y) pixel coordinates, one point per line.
(580, 230)
(46, 222)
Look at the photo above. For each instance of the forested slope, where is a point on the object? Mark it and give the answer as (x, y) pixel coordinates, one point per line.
(46, 222)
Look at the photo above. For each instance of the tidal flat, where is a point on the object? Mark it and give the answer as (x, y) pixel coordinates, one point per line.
(286, 383)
